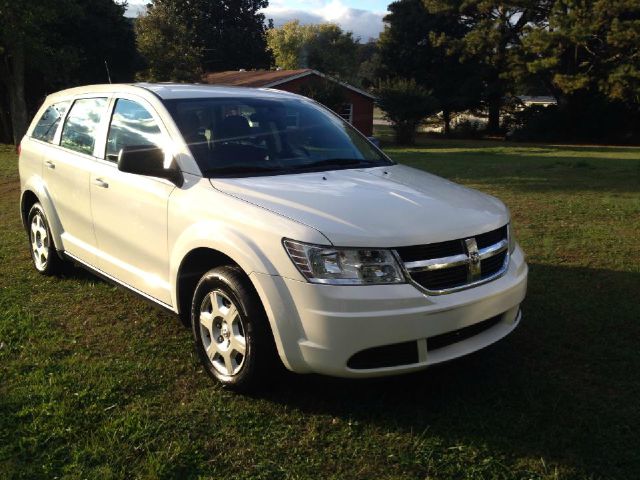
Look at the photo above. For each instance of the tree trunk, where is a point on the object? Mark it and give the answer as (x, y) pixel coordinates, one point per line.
(14, 83)
(446, 117)
(5, 119)
(405, 134)
(494, 115)
(5, 127)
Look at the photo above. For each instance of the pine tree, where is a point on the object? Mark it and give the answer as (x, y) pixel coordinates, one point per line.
(424, 46)
(493, 30)
(589, 47)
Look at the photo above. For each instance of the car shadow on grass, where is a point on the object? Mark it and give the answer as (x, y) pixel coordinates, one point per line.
(563, 387)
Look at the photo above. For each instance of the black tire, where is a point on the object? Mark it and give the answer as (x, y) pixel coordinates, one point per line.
(218, 343)
(43, 251)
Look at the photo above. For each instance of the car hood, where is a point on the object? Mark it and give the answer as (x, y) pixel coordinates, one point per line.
(374, 207)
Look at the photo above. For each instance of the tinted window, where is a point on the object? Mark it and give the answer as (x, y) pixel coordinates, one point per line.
(257, 136)
(47, 126)
(131, 125)
(80, 128)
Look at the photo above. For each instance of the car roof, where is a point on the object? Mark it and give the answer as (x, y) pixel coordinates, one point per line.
(168, 91)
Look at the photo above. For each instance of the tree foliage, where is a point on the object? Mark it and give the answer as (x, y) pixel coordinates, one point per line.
(41, 53)
(406, 105)
(589, 46)
(584, 53)
(427, 47)
(493, 29)
(328, 93)
(179, 39)
(323, 47)
(166, 45)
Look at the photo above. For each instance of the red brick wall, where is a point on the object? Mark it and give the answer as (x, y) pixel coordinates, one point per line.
(362, 106)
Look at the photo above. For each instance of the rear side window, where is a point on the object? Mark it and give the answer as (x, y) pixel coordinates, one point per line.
(80, 128)
(131, 126)
(47, 126)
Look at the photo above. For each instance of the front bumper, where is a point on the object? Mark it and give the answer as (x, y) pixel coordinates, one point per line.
(319, 328)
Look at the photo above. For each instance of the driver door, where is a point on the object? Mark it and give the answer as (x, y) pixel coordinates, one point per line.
(130, 211)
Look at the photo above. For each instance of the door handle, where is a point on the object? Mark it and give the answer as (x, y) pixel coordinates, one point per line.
(100, 183)
(50, 164)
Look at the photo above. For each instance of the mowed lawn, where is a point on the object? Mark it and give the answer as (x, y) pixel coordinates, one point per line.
(96, 384)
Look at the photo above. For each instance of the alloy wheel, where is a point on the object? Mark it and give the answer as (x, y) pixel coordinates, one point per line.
(222, 333)
(39, 241)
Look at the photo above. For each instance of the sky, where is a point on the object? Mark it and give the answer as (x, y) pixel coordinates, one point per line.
(362, 17)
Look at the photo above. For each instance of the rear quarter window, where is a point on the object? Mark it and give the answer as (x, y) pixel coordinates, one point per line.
(47, 125)
(81, 126)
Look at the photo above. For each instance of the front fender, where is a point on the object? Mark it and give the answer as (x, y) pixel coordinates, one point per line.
(216, 236)
(260, 263)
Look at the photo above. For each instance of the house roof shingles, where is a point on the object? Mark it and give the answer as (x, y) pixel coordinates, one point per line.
(269, 78)
(252, 78)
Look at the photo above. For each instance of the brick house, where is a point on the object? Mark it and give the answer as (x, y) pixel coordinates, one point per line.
(358, 110)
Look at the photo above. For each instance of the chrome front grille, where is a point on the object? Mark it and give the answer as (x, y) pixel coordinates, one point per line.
(454, 265)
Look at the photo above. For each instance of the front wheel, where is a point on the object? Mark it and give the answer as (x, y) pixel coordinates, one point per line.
(231, 332)
(43, 251)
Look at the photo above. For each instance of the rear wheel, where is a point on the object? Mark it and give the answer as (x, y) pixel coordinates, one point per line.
(43, 251)
(231, 332)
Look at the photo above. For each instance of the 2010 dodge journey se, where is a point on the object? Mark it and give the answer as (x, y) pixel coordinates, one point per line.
(272, 226)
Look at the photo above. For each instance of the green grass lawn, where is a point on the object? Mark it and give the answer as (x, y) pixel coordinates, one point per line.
(97, 384)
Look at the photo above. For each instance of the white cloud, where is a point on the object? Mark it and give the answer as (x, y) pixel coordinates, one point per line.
(136, 7)
(363, 23)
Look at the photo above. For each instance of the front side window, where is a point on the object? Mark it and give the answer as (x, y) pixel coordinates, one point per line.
(47, 126)
(131, 126)
(260, 136)
(81, 127)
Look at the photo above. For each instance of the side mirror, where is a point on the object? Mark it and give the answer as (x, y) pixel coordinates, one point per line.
(148, 161)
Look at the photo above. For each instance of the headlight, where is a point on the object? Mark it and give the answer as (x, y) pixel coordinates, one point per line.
(344, 266)
(512, 239)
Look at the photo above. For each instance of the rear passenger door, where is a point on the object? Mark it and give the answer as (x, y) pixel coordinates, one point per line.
(67, 170)
(129, 210)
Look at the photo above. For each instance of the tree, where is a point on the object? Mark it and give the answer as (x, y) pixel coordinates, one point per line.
(21, 30)
(208, 36)
(588, 47)
(287, 43)
(323, 47)
(370, 64)
(406, 104)
(412, 46)
(165, 43)
(328, 93)
(588, 57)
(39, 53)
(493, 28)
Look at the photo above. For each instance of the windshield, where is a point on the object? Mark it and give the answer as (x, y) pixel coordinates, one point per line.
(232, 137)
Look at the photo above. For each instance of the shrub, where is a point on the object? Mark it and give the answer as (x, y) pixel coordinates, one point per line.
(406, 105)
(587, 121)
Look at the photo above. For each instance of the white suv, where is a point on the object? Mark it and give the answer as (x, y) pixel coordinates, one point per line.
(270, 225)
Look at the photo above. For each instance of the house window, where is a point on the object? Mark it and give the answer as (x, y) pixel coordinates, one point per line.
(346, 112)
(292, 119)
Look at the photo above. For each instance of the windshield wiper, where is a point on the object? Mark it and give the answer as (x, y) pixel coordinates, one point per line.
(241, 169)
(337, 162)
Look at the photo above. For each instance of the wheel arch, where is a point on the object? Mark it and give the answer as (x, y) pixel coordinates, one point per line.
(36, 192)
(203, 257)
(27, 200)
(193, 266)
